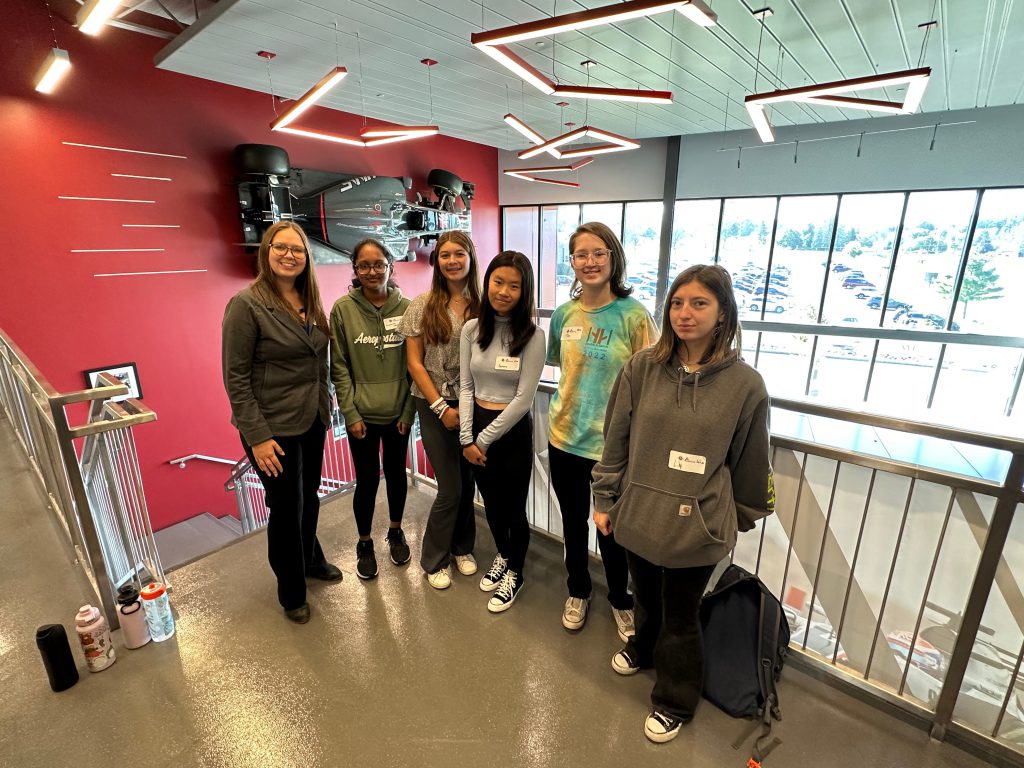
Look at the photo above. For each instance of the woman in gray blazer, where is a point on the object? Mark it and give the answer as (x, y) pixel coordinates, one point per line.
(275, 341)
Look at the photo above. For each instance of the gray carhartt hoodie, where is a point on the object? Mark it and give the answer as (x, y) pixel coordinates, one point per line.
(686, 459)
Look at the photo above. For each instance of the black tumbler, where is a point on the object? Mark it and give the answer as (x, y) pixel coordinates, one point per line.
(52, 641)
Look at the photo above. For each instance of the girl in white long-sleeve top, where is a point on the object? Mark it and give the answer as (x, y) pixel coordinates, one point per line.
(502, 357)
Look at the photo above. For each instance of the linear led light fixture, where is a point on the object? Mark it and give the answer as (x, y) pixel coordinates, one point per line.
(95, 14)
(615, 143)
(830, 94)
(494, 43)
(369, 136)
(523, 128)
(541, 179)
(56, 65)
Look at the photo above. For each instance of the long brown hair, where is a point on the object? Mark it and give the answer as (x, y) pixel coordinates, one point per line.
(437, 326)
(266, 286)
(603, 232)
(727, 335)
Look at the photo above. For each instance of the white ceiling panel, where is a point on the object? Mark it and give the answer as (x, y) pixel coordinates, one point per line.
(973, 53)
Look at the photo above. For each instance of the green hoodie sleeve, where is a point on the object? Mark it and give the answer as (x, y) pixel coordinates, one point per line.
(340, 373)
(609, 472)
(753, 484)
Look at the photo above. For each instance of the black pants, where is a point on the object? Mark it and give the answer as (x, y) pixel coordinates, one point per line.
(668, 635)
(366, 456)
(451, 525)
(292, 546)
(504, 483)
(570, 479)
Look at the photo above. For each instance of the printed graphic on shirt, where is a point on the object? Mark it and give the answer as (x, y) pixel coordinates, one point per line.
(687, 462)
(771, 493)
(392, 339)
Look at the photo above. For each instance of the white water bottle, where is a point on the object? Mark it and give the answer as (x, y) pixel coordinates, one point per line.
(134, 629)
(158, 611)
(94, 635)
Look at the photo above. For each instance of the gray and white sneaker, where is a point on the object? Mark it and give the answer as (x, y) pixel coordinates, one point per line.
(506, 593)
(492, 578)
(574, 615)
(624, 623)
(466, 564)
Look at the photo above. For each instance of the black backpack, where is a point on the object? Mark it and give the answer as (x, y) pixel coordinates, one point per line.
(746, 637)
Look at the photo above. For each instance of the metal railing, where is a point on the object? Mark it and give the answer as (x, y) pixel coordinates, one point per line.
(895, 573)
(98, 499)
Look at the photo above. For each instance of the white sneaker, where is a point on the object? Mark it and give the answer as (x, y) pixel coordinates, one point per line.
(439, 579)
(466, 564)
(494, 574)
(574, 615)
(624, 623)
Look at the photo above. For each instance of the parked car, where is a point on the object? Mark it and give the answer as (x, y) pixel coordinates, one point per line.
(755, 306)
(772, 291)
(838, 267)
(866, 292)
(821, 639)
(924, 656)
(875, 302)
(928, 320)
(857, 282)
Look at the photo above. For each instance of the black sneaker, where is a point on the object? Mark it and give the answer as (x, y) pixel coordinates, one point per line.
(325, 572)
(508, 589)
(398, 546)
(625, 663)
(366, 561)
(660, 726)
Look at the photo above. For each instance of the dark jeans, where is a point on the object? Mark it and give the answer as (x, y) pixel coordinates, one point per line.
(668, 635)
(570, 479)
(292, 546)
(451, 525)
(366, 456)
(504, 483)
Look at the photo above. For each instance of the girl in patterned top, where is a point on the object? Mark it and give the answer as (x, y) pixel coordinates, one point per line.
(432, 325)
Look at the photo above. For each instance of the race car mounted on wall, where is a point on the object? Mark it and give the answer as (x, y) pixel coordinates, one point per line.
(337, 210)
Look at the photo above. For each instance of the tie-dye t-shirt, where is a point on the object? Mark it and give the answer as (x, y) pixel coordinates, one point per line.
(591, 346)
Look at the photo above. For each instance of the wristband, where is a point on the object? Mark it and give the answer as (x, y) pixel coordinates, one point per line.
(436, 404)
(443, 410)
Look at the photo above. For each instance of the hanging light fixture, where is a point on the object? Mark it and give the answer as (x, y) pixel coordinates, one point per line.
(94, 15)
(56, 65)
(527, 174)
(615, 143)
(494, 43)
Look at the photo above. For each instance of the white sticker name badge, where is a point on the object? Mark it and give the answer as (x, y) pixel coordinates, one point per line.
(504, 363)
(391, 323)
(572, 333)
(687, 462)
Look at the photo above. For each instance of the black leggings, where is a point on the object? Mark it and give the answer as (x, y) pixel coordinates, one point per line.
(366, 456)
(504, 483)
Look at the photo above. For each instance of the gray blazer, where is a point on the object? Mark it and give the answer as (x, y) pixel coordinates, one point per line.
(275, 374)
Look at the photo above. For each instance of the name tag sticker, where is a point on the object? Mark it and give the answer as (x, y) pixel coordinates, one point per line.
(572, 333)
(687, 462)
(506, 364)
(391, 323)
(685, 510)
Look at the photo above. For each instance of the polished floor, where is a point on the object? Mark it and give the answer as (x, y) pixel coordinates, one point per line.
(387, 673)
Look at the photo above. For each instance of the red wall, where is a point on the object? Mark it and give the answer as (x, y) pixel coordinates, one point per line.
(66, 320)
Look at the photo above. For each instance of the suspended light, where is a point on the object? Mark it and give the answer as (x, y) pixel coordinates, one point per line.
(54, 68)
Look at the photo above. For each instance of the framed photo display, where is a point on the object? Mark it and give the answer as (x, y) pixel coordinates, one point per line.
(126, 373)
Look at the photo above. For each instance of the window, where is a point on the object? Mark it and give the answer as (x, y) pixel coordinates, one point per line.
(557, 223)
(642, 241)
(802, 239)
(694, 234)
(743, 244)
(609, 214)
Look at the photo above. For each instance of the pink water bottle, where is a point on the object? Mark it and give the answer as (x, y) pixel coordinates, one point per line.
(94, 635)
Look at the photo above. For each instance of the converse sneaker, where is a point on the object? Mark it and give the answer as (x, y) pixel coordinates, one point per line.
(574, 615)
(660, 726)
(398, 546)
(439, 579)
(366, 561)
(466, 564)
(492, 578)
(508, 589)
(624, 623)
(625, 663)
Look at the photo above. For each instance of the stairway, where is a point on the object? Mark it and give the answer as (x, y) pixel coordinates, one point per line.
(195, 537)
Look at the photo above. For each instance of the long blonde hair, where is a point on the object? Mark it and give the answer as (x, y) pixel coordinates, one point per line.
(266, 286)
(437, 326)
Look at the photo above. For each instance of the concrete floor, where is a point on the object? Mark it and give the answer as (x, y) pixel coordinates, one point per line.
(388, 672)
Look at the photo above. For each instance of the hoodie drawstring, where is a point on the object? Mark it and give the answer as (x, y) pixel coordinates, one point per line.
(679, 388)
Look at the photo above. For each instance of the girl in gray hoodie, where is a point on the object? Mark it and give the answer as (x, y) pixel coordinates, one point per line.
(685, 467)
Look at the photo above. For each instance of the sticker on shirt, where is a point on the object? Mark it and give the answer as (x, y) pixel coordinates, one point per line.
(391, 323)
(504, 363)
(687, 462)
(572, 333)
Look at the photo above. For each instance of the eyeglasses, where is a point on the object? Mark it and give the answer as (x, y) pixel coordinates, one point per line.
(581, 257)
(377, 266)
(281, 249)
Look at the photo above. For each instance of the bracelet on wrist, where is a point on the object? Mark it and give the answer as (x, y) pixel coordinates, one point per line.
(440, 413)
(437, 404)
